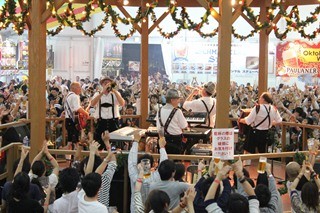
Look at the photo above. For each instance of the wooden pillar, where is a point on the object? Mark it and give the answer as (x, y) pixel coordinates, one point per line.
(224, 59)
(37, 76)
(144, 68)
(263, 51)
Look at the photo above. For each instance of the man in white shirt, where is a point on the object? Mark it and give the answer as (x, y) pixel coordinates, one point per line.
(71, 106)
(171, 122)
(107, 111)
(88, 196)
(204, 104)
(68, 203)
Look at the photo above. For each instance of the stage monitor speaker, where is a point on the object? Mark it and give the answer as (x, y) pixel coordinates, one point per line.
(15, 134)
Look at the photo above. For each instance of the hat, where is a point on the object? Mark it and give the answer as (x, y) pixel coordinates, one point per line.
(209, 87)
(105, 78)
(172, 93)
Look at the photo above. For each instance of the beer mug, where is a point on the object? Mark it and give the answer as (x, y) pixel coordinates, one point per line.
(145, 163)
(216, 161)
(262, 165)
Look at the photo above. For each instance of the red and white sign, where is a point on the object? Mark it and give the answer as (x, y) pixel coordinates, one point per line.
(223, 143)
(296, 58)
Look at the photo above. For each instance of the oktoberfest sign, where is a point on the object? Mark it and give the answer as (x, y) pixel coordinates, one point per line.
(296, 58)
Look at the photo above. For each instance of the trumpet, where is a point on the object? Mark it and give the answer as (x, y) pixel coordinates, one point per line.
(111, 86)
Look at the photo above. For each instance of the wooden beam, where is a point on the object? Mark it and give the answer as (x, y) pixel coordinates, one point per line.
(144, 68)
(159, 20)
(248, 20)
(127, 15)
(263, 51)
(224, 64)
(238, 11)
(37, 76)
(47, 14)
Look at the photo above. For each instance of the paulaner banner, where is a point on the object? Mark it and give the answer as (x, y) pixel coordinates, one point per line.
(296, 58)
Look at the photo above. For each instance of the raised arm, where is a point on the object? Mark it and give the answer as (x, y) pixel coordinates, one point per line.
(24, 154)
(52, 160)
(133, 158)
(94, 145)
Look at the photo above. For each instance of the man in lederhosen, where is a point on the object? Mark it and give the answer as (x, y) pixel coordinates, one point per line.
(71, 106)
(261, 118)
(171, 121)
(107, 112)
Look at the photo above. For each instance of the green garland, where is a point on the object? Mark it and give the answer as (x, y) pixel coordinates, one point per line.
(183, 21)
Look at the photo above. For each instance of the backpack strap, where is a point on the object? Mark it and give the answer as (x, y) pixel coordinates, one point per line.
(267, 117)
(205, 105)
(168, 121)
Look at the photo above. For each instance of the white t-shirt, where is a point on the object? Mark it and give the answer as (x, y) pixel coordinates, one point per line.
(68, 203)
(86, 207)
(73, 101)
(106, 112)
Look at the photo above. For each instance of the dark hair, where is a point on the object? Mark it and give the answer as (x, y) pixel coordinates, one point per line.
(146, 156)
(20, 187)
(267, 97)
(166, 168)
(38, 168)
(238, 204)
(263, 194)
(25, 167)
(310, 195)
(91, 184)
(96, 164)
(68, 179)
(157, 201)
(180, 170)
(5, 119)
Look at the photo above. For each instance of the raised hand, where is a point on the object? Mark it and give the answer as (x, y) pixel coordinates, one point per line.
(24, 153)
(94, 145)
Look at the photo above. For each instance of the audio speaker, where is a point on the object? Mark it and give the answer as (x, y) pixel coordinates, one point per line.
(15, 134)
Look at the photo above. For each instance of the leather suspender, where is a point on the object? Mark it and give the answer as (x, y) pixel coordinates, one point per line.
(69, 111)
(267, 117)
(205, 105)
(168, 120)
(112, 105)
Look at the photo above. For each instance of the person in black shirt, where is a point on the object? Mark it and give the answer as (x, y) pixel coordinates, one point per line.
(19, 200)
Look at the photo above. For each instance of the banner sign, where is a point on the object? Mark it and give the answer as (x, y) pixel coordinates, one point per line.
(202, 58)
(223, 143)
(296, 58)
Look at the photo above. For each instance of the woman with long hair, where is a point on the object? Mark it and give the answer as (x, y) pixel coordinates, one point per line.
(19, 200)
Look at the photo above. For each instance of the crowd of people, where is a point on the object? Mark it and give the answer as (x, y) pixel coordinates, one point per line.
(156, 186)
(84, 187)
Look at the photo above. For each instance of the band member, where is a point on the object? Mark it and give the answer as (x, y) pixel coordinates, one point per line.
(171, 122)
(71, 106)
(261, 119)
(204, 104)
(107, 111)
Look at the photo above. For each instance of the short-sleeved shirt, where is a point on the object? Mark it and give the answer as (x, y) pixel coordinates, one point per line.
(72, 101)
(94, 206)
(178, 122)
(255, 118)
(106, 112)
(172, 188)
(198, 106)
